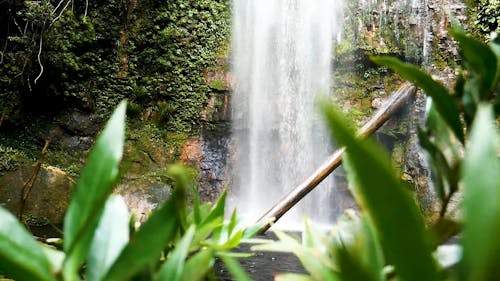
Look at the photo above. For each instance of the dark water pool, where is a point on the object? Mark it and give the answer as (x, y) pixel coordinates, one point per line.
(263, 265)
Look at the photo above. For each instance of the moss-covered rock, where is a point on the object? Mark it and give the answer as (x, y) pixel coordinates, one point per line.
(46, 194)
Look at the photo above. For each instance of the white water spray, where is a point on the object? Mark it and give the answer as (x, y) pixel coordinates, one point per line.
(282, 53)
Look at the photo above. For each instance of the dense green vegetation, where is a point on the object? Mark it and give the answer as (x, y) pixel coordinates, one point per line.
(484, 16)
(176, 242)
(92, 54)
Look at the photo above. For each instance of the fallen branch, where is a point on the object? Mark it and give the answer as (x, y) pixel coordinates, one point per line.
(28, 186)
(395, 102)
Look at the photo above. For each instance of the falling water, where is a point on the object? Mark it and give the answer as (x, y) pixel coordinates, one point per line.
(282, 52)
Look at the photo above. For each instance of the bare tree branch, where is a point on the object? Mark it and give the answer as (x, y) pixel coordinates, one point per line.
(57, 7)
(17, 25)
(86, 9)
(39, 59)
(62, 12)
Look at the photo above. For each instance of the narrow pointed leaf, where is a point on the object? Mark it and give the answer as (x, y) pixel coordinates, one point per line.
(198, 265)
(232, 223)
(445, 104)
(111, 236)
(480, 58)
(217, 210)
(437, 162)
(93, 187)
(495, 47)
(293, 277)
(232, 242)
(55, 257)
(180, 176)
(146, 246)
(21, 256)
(217, 213)
(387, 201)
(196, 208)
(361, 258)
(253, 230)
(481, 180)
(174, 266)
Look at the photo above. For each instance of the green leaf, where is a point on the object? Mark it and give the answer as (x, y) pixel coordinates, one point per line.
(495, 47)
(232, 242)
(198, 265)
(196, 207)
(444, 102)
(174, 266)
(438, 164)
(95, 183)
(181, 182)
(232, 223)
(207, 229)
(21, 256)
(480, 59)
(235, 269)
(217, 211)
(359, 256)
(111, 236)
(312, 237)
(216, 214)
(252, 230)
(293, 277)
(387, 201)
(481, 181)
(154, 235)
(55, 257)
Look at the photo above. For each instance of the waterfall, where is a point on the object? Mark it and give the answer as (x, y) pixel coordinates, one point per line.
(281, 63)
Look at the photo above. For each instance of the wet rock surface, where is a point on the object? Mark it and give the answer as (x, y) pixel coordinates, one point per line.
(209, 154)
(46, 197)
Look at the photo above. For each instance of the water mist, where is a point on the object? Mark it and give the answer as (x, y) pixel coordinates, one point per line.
(281, 58)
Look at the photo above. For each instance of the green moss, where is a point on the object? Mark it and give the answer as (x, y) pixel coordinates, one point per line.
(10, 158)
(355, 91)
(155, 50)
(35, 221)
(218, 85)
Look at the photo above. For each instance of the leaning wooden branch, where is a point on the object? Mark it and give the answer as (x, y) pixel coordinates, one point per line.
(395, 102)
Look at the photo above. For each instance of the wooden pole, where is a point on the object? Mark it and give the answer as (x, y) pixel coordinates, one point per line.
(395, 102)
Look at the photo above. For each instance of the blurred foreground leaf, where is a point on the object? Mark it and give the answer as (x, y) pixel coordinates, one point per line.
(444, 102)
(95, 184)
(174, 266)
(154, 235)
(198, 265)
(482, 201)
(358, 251)
(480, 60)
(21, 256)
(387, 202)
(111, 236)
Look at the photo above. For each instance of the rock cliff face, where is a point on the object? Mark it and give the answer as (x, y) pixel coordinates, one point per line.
(412, 30)
(415, 31)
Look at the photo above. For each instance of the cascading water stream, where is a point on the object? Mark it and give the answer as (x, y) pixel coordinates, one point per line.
(282, 53)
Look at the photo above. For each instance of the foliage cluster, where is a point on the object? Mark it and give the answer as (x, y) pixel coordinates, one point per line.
(175, 243)
(9, 158)
(374, 28)
(390, 241)
(488, 16)
(92, 54)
